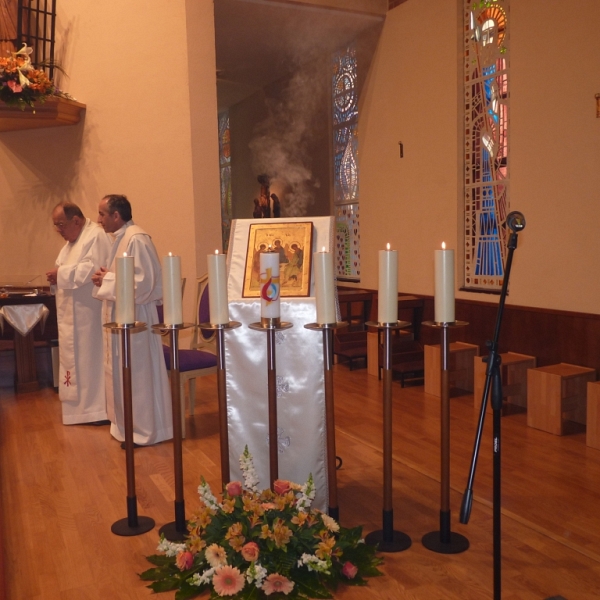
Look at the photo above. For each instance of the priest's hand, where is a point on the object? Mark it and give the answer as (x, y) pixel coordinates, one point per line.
(98, 276)
(51, 276)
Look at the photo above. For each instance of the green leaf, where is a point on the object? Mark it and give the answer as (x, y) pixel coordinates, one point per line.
(160, 559)
(165, 585)
(313, 589)
(155, 574)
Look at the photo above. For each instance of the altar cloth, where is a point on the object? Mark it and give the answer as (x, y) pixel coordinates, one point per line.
(23, 317)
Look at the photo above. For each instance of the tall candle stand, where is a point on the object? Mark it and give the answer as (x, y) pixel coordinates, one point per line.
(176, 531)
(132, 524)
(222, 393)
(387, 539)
(271, 326)
(327, 329)
(445, 541)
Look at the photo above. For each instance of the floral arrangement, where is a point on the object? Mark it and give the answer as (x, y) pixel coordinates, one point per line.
(21, 84)
(251, 544)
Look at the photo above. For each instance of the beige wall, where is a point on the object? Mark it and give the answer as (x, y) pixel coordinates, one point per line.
(147, 133)
(554, 149)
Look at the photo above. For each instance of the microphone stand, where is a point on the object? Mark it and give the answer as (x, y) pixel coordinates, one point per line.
(516, 222)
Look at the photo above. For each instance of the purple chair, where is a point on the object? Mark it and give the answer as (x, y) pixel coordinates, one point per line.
(201, 359)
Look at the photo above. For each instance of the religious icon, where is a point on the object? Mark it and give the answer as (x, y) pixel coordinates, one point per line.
(293, 243)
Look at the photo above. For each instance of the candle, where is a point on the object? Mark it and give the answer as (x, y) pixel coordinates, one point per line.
(172, 297)
(217, 289)
(444, 285)
(269, 285)
(125, 300)
(323, 263)
(388, 286)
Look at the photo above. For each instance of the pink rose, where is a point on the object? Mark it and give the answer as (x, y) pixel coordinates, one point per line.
(234, 488)
(281, 486)
(184, 561)
(349, 570)
(14, 86)
(250, 551)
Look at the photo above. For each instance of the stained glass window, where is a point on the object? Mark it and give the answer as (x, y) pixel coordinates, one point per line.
(486, 106)
(225, 170)
(345, 164)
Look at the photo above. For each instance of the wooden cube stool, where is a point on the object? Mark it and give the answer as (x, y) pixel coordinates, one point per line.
(556, 394)
(514, 381)
(592, 433)
(460, 365)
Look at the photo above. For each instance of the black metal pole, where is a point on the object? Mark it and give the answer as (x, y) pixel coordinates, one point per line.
(515, 222)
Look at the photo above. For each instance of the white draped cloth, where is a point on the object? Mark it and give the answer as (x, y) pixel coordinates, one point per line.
(151, 394)
(301, 428)
(23, 317)
(80, 331)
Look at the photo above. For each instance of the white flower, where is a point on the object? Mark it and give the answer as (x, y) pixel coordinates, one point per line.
(330, 523)
(256, 572)
(207, 496)
(170, 548)
(307, 494)
(313, 563)
(206, 577)
(251, 480)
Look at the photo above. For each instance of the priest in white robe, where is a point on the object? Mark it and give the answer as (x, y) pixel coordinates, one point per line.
(151, 395)
(79, 315)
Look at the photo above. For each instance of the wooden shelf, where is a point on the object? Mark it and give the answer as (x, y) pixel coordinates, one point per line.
(55, 112)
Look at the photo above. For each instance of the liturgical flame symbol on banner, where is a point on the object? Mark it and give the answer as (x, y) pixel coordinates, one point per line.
(269, 290)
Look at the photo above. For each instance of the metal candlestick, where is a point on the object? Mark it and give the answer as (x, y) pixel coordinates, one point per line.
(445, 541)
(270, 326)
(222, 393)
(386, 538)
(327, 329)
(132, 524)
(176, 531)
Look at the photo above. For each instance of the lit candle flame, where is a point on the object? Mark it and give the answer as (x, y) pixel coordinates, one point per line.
(216, 251)
(388, 246)
(323, 250)
(170, 254)
(124, 253)
(443, 245)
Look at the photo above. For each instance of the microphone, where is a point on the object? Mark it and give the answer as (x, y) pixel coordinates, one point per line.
(515, 221)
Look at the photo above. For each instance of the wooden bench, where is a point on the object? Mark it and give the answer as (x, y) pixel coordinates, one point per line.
(557, 394)
(592, 433)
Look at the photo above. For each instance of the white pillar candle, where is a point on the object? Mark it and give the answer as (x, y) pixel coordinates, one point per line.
(172, 297)
(125, 299)
(324, 290)
(444, 285)
(387, 307)
(217, 288)
(269, 285)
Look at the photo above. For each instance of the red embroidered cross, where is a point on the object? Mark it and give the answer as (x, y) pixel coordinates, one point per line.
(67, 381)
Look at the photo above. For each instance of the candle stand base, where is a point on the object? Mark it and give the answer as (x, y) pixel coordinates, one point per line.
(221, 328)
(271, 327)
(386, 539)
(124, 528)
(174, 531)
(327, 329)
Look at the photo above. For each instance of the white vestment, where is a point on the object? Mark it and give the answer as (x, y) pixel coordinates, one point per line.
(80, 331)
(151, 394)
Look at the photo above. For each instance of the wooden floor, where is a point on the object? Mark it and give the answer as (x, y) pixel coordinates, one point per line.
(63, 487)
